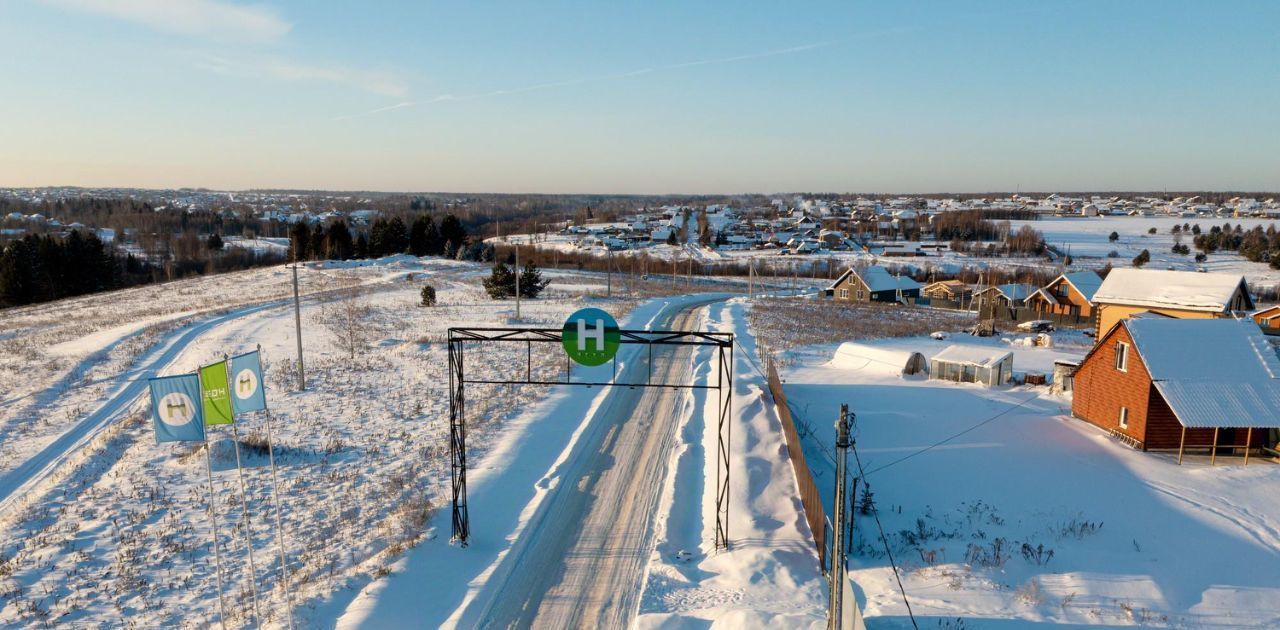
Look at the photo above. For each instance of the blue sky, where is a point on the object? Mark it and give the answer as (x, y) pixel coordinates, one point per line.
(641, 97)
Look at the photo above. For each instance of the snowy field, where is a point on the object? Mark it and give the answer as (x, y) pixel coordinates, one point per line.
(1002, 511)
(104, 527)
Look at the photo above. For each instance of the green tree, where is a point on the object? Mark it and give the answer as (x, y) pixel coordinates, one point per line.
(214, 243)
(501, 283)
(339, 242)
(1113, 237)
(424, 238)
(299, 242)
(452, 233)
(1142, 258)
(531, 281)
(428, 295)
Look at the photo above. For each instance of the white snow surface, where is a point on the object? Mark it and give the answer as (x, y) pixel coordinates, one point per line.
(1163, 288)
(1136, 539)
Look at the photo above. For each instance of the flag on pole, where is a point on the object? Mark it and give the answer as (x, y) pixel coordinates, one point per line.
(174, 412)
(215, 396)
(246, 383)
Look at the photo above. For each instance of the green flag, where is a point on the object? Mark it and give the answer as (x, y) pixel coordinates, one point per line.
(214, 394)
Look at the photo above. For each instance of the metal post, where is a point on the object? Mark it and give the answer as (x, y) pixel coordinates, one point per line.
(837, 527)
(608, 263)
(724, 436)
(458, 444)
(297, 324)
(275, 496)
(244, 507)
(751, 276)
(213, 517)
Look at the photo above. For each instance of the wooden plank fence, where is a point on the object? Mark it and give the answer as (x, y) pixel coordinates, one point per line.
(814, 512)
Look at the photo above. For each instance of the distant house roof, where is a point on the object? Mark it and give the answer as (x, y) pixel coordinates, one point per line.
(1015, 292)
(972, 355)
(1212, 372)
(1158, 288)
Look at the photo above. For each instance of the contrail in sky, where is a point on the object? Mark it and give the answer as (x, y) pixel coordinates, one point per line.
(605, 77)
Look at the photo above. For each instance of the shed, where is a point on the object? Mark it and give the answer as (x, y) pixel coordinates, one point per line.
(857, 356)
(972, 364)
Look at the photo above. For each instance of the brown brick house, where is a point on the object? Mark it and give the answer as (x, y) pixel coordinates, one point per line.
(1167, 384)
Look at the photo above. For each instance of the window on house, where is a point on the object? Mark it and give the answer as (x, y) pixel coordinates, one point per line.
(844, 294)
(859, 294)
(1122, 356)
(1124, 417)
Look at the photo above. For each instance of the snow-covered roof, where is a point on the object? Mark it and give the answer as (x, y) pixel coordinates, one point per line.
(1157, 288)
(1212, 372)
(972, 355)
(879, 279)
(857, 356)
(1086, 282)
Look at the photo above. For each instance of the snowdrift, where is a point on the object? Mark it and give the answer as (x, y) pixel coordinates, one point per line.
(856, 356)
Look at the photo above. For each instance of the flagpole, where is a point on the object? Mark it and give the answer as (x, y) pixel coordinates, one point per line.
(213, 515)
(244, 502)
(275, 497)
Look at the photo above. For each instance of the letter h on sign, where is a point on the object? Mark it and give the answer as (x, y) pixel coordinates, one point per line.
(596, 333)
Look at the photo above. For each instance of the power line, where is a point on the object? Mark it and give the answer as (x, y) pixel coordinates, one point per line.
(952, 437)
(875, 512)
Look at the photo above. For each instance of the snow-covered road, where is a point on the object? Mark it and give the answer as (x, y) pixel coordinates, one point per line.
(581, 562)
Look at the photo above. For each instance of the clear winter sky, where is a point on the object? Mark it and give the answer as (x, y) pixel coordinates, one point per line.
(652, 97)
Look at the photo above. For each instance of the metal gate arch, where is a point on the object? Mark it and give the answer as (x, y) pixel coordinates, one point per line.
(459, 337)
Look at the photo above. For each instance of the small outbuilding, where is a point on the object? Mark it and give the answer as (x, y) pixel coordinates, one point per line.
(972, 364)
(857, 356)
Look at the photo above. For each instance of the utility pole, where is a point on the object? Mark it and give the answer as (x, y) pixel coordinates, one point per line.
(608, 263)
(838, 527)
(517, 280)
(751, 276)
(297, 324)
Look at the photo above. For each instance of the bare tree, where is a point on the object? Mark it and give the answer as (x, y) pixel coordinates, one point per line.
(350, 320)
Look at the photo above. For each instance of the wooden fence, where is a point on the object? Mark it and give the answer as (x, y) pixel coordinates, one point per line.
(809, 497)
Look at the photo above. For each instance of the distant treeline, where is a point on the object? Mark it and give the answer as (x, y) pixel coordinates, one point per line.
(40, 268)
(386, 237)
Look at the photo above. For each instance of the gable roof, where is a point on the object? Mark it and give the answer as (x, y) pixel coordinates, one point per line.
(1014, 292)
(1086, 282)
(879, 279)
(1158, 288)
(1211, 372)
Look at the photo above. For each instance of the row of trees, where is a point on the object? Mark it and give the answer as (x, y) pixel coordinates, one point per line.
(386, 237)
(41, 268)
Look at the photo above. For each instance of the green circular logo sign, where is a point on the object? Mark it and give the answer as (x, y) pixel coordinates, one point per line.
(591, 337)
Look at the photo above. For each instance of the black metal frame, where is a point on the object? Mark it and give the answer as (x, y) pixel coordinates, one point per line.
(458, 337)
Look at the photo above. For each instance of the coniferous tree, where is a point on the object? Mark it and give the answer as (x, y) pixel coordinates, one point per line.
(531, 281)
(424, 238)
(299, 242)
(215, 242)
(319, 244)
(362, 247)
(501, 283)
(339, 242)
(452, 233)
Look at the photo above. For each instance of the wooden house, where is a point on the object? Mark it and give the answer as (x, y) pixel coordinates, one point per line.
(1162, 383)
(1178, 294)
(953, 290)
(1268, 319)
(873, 284)
(1005, 295)
(1068, 294)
